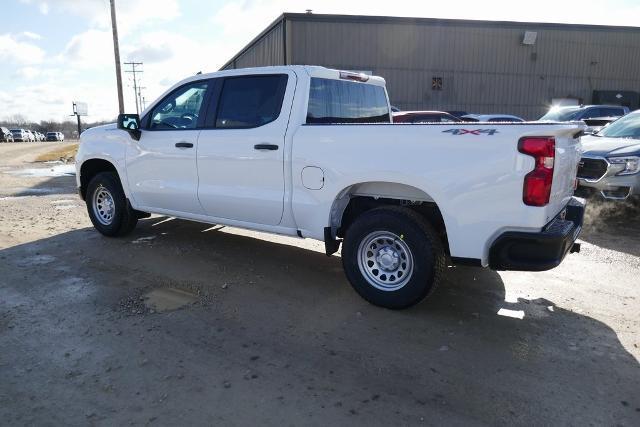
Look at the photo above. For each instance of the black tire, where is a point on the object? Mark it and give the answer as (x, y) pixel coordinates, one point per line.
(123, 219)
(416, 234)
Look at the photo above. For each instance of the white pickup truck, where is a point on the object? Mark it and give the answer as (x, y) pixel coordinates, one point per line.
(311, 152)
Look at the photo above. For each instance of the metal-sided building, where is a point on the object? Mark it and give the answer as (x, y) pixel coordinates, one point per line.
(475, 66)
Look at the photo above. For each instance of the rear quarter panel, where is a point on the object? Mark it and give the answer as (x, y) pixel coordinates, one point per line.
(476, 179)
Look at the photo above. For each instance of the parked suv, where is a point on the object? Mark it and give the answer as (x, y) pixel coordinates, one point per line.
(575, 113)
(5, 135)
(610, 163)
(55, 136)
(20, 135)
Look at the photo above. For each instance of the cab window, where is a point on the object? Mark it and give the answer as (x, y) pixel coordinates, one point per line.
(181, 109)
(250, 101)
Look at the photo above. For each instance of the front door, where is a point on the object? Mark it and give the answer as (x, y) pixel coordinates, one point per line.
(241, 152)
(162, 166)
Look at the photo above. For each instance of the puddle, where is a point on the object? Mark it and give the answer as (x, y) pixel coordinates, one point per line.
(168, 299)
(143, 239)
(55, 171)
(36, 260)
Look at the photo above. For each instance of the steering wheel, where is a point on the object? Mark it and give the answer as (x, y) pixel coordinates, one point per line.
(190, 116)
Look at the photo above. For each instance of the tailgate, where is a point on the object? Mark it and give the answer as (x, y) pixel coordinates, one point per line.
(568, 153)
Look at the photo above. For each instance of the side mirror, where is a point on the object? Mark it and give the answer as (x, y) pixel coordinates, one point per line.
(130, 123)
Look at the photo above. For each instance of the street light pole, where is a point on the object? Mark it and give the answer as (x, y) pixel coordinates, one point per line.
(116, 51)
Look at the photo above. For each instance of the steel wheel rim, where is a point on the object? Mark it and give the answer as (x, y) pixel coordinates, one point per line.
(104, 207)
(385, 260)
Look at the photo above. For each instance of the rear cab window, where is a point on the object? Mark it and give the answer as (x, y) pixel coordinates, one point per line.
(343, 102)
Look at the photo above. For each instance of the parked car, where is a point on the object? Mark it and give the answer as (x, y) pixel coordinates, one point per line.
(20, 135)
(54, 136)
(610, 164)
(424, 117)
(582, 112)
(505, 118)
(458, 114)
(30, 136)
(308, 151)
(5, 135)
(597, 123)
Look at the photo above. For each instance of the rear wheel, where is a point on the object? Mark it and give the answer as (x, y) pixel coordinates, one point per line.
(108, 207)
(392, 257)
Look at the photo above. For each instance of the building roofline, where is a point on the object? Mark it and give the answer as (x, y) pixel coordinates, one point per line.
(256, 39)
(458, 22)
(313, 17)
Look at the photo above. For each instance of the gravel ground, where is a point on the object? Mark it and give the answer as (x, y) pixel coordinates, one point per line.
(187, 324)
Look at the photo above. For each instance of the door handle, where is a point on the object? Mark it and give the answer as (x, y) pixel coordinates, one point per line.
(183, 144)
(265, 147)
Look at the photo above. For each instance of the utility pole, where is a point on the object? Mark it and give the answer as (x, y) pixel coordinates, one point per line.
(135, 73)
(116, 52)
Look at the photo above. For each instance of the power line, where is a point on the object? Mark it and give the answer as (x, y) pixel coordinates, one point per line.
(135, 73)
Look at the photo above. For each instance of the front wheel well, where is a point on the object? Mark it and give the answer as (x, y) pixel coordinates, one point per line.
(360, 204)
(91, 168)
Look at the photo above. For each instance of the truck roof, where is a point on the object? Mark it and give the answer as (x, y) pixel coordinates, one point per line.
(310, 70)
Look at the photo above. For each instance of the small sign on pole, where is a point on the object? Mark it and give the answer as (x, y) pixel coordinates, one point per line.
(80, 108)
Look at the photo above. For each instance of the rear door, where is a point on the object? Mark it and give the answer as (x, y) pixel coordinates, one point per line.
(241, 152)
(161, 166)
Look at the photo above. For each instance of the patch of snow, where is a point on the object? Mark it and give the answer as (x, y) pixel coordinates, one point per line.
(515, 314)
(55, 171)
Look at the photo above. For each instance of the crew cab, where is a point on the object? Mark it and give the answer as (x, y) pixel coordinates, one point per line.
(312, 152)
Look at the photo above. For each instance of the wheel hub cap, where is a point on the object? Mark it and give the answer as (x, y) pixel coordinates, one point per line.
(385, 260)
(104, 206)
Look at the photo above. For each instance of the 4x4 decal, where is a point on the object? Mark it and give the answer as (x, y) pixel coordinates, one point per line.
(471, 131)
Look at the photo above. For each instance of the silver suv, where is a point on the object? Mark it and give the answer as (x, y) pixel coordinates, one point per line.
(610, 164)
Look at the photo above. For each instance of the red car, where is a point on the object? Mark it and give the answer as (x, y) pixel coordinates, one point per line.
(424, 117)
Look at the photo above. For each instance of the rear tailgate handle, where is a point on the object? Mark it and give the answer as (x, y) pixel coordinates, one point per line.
(183, 144)
(265, 147)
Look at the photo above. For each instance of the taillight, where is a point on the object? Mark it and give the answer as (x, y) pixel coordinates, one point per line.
(537, 183)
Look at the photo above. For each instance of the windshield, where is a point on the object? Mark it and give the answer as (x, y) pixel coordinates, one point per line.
(625, 127)
(563, 114)
(16, 130)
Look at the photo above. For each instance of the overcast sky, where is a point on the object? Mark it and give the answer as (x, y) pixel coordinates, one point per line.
(57, 51)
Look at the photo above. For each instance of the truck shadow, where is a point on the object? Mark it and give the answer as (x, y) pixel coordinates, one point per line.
(453, 348)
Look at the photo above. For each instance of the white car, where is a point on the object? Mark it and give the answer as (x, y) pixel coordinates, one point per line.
(312, 152)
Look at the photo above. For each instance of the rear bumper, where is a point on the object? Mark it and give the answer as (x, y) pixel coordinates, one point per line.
(543, 250)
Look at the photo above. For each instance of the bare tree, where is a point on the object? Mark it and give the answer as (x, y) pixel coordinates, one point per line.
(17, 119)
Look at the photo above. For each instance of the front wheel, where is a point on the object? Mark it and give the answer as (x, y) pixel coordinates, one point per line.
(108, 207)
(392, 257)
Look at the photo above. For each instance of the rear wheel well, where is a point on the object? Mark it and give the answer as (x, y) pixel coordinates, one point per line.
(360, 204)
(91, 168)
